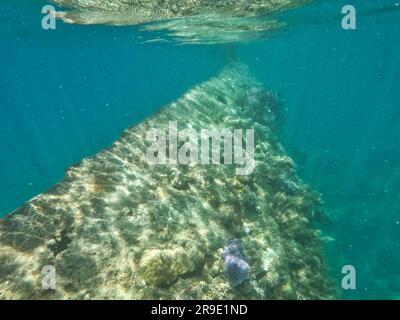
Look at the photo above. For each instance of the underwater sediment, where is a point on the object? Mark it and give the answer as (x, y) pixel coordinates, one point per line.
(118, 227)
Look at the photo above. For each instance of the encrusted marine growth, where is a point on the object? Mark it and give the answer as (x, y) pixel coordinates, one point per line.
(120, 227)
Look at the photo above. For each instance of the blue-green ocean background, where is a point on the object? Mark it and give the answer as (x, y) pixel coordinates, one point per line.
(68, 93)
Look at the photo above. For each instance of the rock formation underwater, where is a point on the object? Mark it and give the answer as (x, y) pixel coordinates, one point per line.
(119, 227)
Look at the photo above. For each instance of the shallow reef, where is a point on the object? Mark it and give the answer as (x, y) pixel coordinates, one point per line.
(118, 227)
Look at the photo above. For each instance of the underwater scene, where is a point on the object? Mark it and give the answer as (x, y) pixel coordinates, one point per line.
(200, 150)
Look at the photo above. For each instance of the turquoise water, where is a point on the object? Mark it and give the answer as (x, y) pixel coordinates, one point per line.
(68, 93)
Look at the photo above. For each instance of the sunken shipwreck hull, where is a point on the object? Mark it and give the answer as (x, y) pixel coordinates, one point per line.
(119, 227)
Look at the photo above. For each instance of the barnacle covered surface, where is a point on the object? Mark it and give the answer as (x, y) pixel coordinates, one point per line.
(119, 227)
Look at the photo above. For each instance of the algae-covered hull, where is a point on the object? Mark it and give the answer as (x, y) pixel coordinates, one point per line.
(120, 227)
